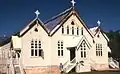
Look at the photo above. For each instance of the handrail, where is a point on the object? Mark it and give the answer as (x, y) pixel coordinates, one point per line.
(65, 63)
(73, 61)
(113, 60)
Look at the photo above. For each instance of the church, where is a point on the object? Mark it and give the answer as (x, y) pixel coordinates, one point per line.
(64, 43)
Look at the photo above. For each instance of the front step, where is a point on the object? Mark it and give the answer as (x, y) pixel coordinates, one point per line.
(69, 65)
(113, 63)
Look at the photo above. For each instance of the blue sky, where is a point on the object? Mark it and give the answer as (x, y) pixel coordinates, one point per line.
(15, 14)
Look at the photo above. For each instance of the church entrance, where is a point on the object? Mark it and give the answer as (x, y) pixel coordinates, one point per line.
(72, 53)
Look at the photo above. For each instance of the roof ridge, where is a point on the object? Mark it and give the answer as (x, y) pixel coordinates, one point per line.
(62, 13)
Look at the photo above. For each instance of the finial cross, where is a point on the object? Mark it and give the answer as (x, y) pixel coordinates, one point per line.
(98, 22)
(73, 3)
(37, 13)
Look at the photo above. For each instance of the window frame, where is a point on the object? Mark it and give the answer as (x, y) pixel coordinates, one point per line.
(83, 50)
(36, 48)
(68, 30)
(72, 30)
(62, 29)
(60, 48)
(77, 30)
(99, 49)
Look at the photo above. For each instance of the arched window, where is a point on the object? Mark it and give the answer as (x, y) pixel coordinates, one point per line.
(83, 50)
(72, 23)
(62, 29)
(81, 31)
(77, 30)
(67, 29)
(72, 30)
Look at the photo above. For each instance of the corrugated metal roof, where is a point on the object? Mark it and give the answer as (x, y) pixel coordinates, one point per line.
(54, 21)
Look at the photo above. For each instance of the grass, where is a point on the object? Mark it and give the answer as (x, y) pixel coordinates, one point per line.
(99, 72)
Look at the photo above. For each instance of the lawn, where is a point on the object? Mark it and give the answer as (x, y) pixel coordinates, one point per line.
(100, 72)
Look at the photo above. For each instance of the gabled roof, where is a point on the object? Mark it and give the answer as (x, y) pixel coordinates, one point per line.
(97, 29)
(54, 21)
(31, 24)
(94, 30)
(61, 18)
(77, 42)
(51, 24)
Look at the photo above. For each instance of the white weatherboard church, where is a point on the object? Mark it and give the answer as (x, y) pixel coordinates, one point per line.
(62, 44)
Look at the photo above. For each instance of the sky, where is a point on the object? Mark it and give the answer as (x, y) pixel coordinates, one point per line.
(16, 14)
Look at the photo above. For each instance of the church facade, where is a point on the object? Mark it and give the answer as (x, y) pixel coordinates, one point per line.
(64, 43)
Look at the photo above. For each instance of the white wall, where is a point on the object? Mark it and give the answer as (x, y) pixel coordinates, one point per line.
(67, 39)
(50, 48)
(104, 58)
(28, 60)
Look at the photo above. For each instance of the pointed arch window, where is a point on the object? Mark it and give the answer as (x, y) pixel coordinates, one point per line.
(83, 50)
(62, 29)
(72, 23)
(82, 31)
(77, 30)
(72, 30)
(67, 29)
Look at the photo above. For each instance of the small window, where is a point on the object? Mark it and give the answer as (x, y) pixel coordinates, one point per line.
(72, 30)
(67, 29)
(81, 31)
(98, 36)
(62, 30)
(81, 54)
(39, 44)
(77, 30)
(72, 23)
(36, 30)
(85, 54)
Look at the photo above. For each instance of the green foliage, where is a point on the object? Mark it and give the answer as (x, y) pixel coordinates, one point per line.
(114, 43)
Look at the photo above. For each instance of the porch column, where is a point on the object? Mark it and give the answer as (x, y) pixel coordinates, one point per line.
(76, 54)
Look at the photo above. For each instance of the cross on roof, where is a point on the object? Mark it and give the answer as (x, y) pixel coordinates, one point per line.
(98, 22)
(37, 13)
(73, 3)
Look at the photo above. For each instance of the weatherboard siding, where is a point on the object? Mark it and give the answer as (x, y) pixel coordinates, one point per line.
(28, 60)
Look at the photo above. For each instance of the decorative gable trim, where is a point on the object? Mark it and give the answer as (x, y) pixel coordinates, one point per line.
(86, 41)
(73, 12)
(31, 24)
(60, 24)
(102, 32)
(83, 23)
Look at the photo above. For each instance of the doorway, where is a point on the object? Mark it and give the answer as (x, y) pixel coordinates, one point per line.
(72, 54)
